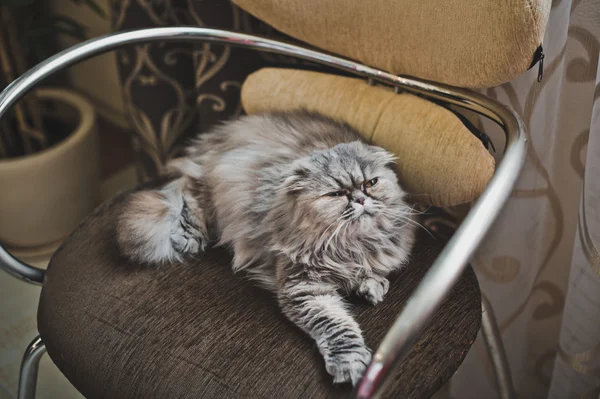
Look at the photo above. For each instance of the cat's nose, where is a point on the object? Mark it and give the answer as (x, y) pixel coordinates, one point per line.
(360, 200)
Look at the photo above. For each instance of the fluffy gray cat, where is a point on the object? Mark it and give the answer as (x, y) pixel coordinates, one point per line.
(310, 211)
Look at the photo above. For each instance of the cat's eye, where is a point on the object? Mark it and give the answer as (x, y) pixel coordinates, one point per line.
(335, 194)
(371, 182)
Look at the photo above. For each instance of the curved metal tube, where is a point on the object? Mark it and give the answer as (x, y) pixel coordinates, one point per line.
(20, 270)
(448, 267)
(493, 342)
(29, 369)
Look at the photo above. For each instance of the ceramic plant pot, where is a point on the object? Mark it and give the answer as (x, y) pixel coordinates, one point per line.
(43, 196)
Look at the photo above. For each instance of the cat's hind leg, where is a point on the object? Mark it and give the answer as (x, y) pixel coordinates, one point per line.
(163, 225)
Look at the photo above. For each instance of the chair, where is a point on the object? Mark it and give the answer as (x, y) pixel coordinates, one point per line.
(214, 349)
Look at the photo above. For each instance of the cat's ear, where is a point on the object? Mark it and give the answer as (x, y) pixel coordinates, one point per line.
(295, 180)
(383, 157)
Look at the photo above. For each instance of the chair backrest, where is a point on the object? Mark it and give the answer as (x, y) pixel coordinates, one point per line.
(467, 43)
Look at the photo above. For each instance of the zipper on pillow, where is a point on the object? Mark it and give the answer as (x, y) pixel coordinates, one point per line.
(538, 58)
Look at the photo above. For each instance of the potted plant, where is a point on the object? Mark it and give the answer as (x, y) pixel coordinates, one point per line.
(49, 164)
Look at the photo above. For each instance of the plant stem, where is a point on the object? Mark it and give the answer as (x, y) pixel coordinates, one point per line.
(30, 100)
(27, 132)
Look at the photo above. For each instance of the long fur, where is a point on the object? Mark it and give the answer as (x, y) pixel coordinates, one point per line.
(309, 210)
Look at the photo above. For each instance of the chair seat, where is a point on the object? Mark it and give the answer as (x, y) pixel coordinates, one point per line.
(195, 330)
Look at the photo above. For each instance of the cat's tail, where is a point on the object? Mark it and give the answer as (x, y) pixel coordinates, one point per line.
(160, 226)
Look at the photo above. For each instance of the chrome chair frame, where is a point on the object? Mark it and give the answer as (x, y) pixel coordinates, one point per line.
(447, 268)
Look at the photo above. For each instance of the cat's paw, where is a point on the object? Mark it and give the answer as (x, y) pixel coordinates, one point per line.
(186, 237)
(348, 365)
(374, 288)
(185, 242)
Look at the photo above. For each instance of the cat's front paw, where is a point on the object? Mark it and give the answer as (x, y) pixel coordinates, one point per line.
(374, 288)
(348, 365)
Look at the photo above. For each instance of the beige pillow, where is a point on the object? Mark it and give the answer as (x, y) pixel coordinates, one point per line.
(439, 159)
(468, 43)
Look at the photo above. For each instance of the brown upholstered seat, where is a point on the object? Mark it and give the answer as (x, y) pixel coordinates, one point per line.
(117, 330)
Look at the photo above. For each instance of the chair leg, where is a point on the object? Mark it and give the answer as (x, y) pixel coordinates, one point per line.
(29, 369)
(493, 342)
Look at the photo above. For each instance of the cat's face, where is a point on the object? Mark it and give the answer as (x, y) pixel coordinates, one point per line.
(350, 186)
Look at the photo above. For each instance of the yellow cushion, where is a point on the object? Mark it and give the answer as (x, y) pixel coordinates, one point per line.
(468, 43)
(439, 159)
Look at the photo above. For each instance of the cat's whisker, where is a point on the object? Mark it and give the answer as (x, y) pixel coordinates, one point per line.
(339, 218)
(407, 220)
(345, 228)
(389, 212)
(321, 238)
(412, 208)
(381, 207)
(335, 233)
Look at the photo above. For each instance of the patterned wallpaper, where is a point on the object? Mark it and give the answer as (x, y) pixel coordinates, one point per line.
(175, 90)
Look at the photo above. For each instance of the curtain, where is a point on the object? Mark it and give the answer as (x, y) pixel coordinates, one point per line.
(540, 266)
